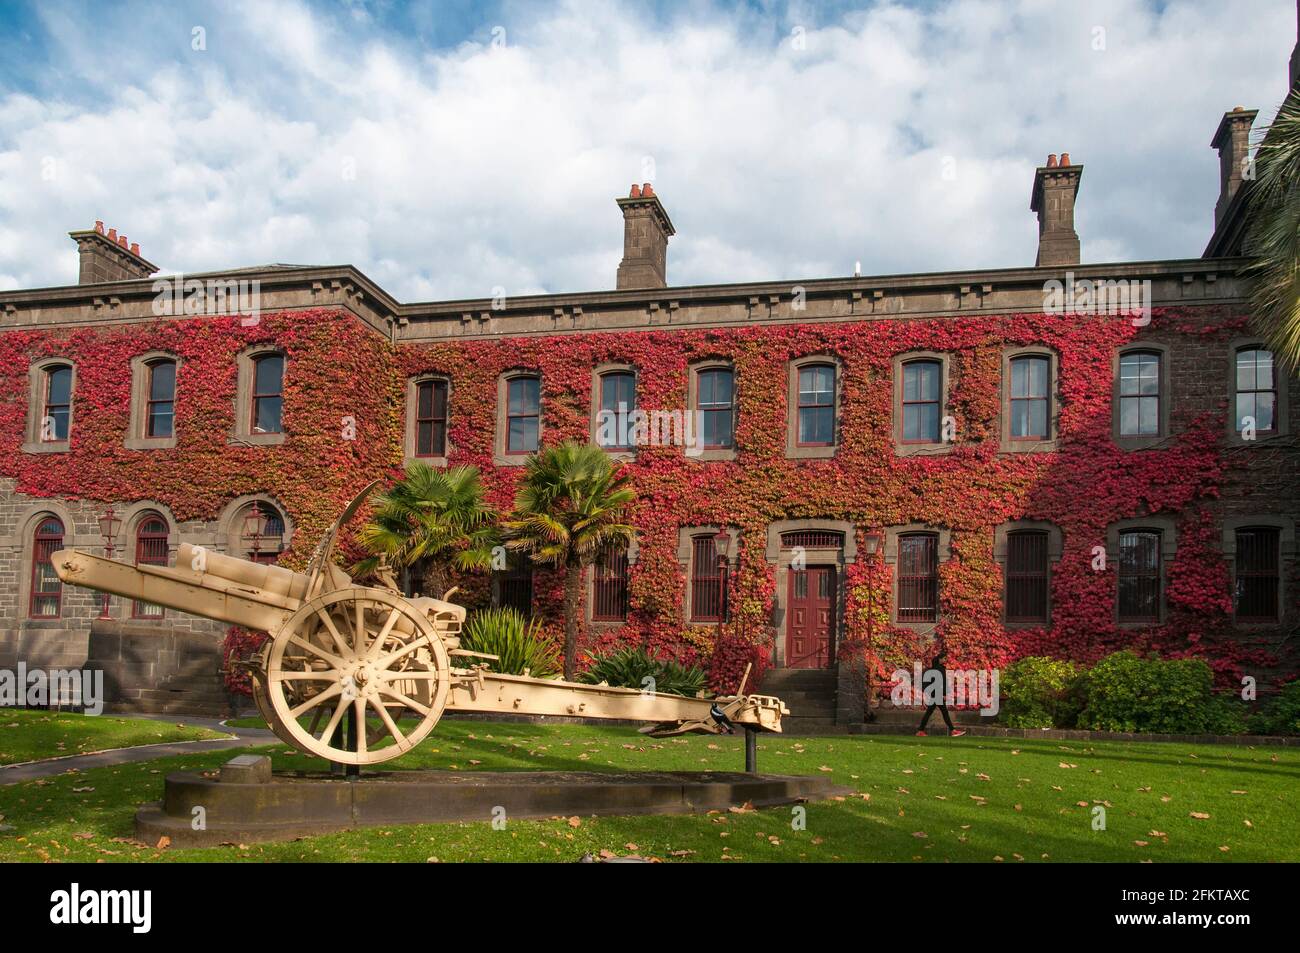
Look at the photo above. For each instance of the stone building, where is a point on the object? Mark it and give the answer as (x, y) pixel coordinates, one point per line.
(1062, 458)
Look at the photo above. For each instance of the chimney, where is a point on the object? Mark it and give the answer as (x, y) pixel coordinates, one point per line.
(1232, 139)
(1055, 186)
(109, 257)
(646, 230)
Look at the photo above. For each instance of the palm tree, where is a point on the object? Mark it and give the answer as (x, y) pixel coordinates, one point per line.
(568, 510)
(436, 521)
(1273, 236)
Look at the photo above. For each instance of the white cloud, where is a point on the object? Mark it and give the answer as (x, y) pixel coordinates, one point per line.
(313, 137)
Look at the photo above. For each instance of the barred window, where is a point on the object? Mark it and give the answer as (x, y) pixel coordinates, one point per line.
(261, 532)
(609, 582)
(150, 550)
(1026, 576)
(47, 589)
(812, 539)
(706, 581)
(1258, 576)
(1139, 576)
(918, 577)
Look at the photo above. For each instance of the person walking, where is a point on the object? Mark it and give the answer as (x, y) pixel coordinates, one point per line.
(935, 678)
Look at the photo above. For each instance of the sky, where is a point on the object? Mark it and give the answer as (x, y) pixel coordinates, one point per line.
(448, 149)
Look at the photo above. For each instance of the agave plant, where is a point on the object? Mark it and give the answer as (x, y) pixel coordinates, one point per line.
(517, 642)
(634, 667)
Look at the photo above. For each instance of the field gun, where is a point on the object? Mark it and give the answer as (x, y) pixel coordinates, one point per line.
(390, 662)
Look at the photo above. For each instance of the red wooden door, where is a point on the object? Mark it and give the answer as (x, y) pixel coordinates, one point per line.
(811, 617)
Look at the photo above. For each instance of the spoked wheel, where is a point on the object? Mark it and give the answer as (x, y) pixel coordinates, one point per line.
(359, 651)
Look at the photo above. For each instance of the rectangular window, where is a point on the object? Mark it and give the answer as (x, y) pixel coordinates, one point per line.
(609, 580)
(816, 405)
(617, 401)
(160, 407)
(922, 386)
(523, 414)
(918, 577)
(1139, 576)
(1256, 391)
(706, 581)
(431, 418)
(717, 413)
(1027, 574)
(1258, 575)
(1029, 398)
(268, 384)
(58, 404)
(1139, 394)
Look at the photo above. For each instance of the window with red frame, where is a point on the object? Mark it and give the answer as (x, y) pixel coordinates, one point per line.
(918, 577)
(268, 393)
(1030, 377)
(431, 418)
(150, 550)
(922, 387)
(1139, 576)
(47, 590)
(609, 581)
(816, 405)
(58, 403)
(160, 405)
(523, 414)
(1258, 577)
(707, 579)
(715, 402)
(1027, 576)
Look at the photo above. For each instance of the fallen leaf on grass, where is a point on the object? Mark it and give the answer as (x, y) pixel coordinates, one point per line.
(1200, 816)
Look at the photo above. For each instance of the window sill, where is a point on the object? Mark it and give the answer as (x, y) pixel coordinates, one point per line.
(809, 453)
(916, 626)
(257, 439)
(1140, 443)
(712, 455)
(149, 443)
(437, 463)
(46, 446)
(511, 459)
(922, 449)
(1029, 446)
(1045, 624)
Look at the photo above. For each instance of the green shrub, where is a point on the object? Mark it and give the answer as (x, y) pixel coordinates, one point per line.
(1124, 692)
(518, 643)
(630, 666)
(1281, 716)
(1039, 692)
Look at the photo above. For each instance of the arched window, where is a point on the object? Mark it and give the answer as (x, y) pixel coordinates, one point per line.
(714, 402)
(268, 393)
(150, 550)
(56, 412)
(921, 395)
(47, 590)
(1139, 394)
(261, 532)
(617, 401)
(160, 400)
(1030, 397)
(523, 414)
(1256, 386)
(816, 406)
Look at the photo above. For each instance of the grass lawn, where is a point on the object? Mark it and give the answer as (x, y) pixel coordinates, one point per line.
(29, 735)
(919, 799)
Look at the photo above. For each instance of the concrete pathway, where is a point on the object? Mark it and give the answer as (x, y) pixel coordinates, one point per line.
(242, 738)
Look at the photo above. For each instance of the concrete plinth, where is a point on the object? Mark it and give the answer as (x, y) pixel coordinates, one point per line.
(300, 805)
